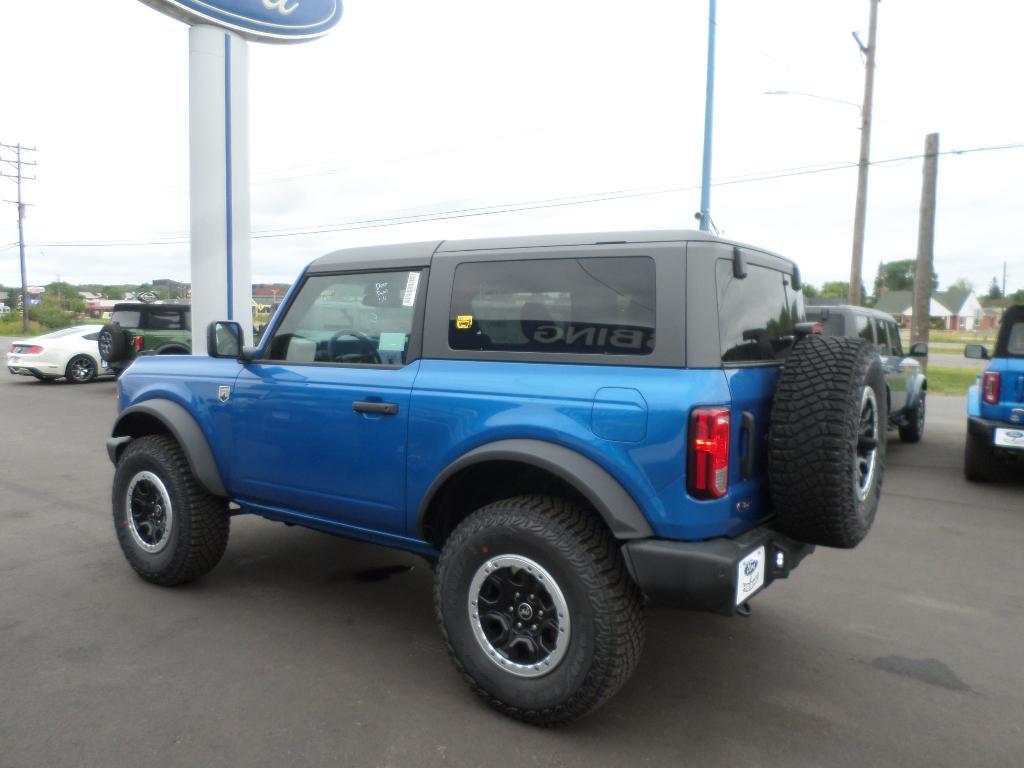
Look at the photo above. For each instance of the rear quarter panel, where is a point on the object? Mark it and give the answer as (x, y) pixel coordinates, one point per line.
(460, 405)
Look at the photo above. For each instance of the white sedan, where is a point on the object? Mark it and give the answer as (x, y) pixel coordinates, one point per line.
(70, 353)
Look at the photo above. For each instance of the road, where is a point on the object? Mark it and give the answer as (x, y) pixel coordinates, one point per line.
(299, 650)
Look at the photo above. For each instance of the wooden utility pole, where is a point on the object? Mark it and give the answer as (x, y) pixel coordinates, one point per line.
(925, 241)
(860, 212)
(18, 164)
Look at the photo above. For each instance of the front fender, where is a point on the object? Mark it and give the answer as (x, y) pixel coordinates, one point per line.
(138, 420)
(918, 385)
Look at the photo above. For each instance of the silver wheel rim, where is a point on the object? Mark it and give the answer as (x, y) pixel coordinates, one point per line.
(537, 625)
(867, 443)
(81, 369)
(149, 511)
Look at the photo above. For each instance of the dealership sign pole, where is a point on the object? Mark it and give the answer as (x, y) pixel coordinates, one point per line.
(219, 140)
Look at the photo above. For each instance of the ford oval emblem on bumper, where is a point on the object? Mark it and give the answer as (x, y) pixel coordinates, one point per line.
(279, 21)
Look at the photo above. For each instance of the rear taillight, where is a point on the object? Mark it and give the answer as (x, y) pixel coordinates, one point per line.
(137, 342)
(32, 351)
(990, 387)
(709, 453)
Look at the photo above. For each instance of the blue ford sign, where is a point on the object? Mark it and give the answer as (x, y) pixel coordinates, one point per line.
(267, 20)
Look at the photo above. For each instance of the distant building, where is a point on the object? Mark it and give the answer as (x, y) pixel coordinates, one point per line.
(958, 310)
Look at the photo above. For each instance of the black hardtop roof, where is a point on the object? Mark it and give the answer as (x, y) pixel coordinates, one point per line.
(408, 255)
(123, 305)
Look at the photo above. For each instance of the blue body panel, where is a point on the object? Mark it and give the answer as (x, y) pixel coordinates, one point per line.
(1011, 391)
(290, 447)
(460, 405)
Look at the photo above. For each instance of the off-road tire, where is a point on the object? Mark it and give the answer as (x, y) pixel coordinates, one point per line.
(112, 343)
(607, 621)
(979, 459)
(81, 369)
(913, 430)
(198, 532)
(814, 437)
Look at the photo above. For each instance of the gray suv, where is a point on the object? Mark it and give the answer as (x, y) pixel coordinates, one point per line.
(905, 381)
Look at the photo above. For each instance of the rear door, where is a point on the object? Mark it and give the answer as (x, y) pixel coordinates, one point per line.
(756, 318)
(890, 349)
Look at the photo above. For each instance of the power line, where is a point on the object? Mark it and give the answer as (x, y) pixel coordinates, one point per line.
(530, 205)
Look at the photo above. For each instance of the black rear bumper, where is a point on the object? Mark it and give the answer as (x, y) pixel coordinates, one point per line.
(704, 575)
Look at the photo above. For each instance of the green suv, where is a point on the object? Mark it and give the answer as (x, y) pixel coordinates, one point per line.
(137, 328)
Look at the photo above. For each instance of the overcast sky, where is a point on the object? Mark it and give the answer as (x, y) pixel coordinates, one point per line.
(411, 107)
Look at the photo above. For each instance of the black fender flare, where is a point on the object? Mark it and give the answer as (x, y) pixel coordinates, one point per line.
(183, 427)
(919, 385)
(607, 496)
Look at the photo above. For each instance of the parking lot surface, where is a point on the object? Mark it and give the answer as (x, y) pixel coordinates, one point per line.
(303, 649)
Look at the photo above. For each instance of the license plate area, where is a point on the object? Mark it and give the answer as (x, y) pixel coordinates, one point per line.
(1008, 438)
(750, 573)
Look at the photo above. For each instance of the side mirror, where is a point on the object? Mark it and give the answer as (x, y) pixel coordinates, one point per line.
(976, 352)
(919, 349)
(224, 339)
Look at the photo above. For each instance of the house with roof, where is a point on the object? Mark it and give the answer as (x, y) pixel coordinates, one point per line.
(958, 310)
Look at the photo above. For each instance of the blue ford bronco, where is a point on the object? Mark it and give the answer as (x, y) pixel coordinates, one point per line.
(995, 405)
(567, 426)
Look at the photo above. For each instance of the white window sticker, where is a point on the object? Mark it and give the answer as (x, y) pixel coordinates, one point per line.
(409, 294)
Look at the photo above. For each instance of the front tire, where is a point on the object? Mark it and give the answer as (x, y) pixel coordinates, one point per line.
(170, 529)
(913, 430)
(537, 609)
(81, 370)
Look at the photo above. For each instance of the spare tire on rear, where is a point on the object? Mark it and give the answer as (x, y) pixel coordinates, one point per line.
(112, 343)
(826, 440)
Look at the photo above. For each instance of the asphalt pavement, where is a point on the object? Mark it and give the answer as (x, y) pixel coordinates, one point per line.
(304, 649)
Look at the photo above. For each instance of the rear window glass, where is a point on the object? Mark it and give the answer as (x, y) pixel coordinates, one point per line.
(601, 306)
(756, 316)
(165, 320)
(864, 328)
(126, 318)
(1015, 340)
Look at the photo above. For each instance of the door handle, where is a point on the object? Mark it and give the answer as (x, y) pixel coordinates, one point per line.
(366, 406)
(747, 462)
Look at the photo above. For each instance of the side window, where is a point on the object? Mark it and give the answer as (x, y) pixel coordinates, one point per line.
(884, 347)
(596, 305)
(864, 328)
(755, 322)
(164, 320)
(894, 339)
(1015, 341)
(364, 318)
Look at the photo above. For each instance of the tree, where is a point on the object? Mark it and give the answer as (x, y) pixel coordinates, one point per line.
(993, 290)
(810, 292)
(962, 284)
(899, 276)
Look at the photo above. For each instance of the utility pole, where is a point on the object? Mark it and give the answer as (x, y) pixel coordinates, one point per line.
(925, 242)
(709, 106)
(18, 163)
(865, 154)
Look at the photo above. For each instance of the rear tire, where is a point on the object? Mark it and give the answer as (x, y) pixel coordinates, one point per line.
(547, 555)
(979, 459)
(913, 430)
(81, 369)
(826, 452)
(170, 529)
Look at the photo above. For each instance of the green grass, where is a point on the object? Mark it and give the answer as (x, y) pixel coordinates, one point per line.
(950, 381)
